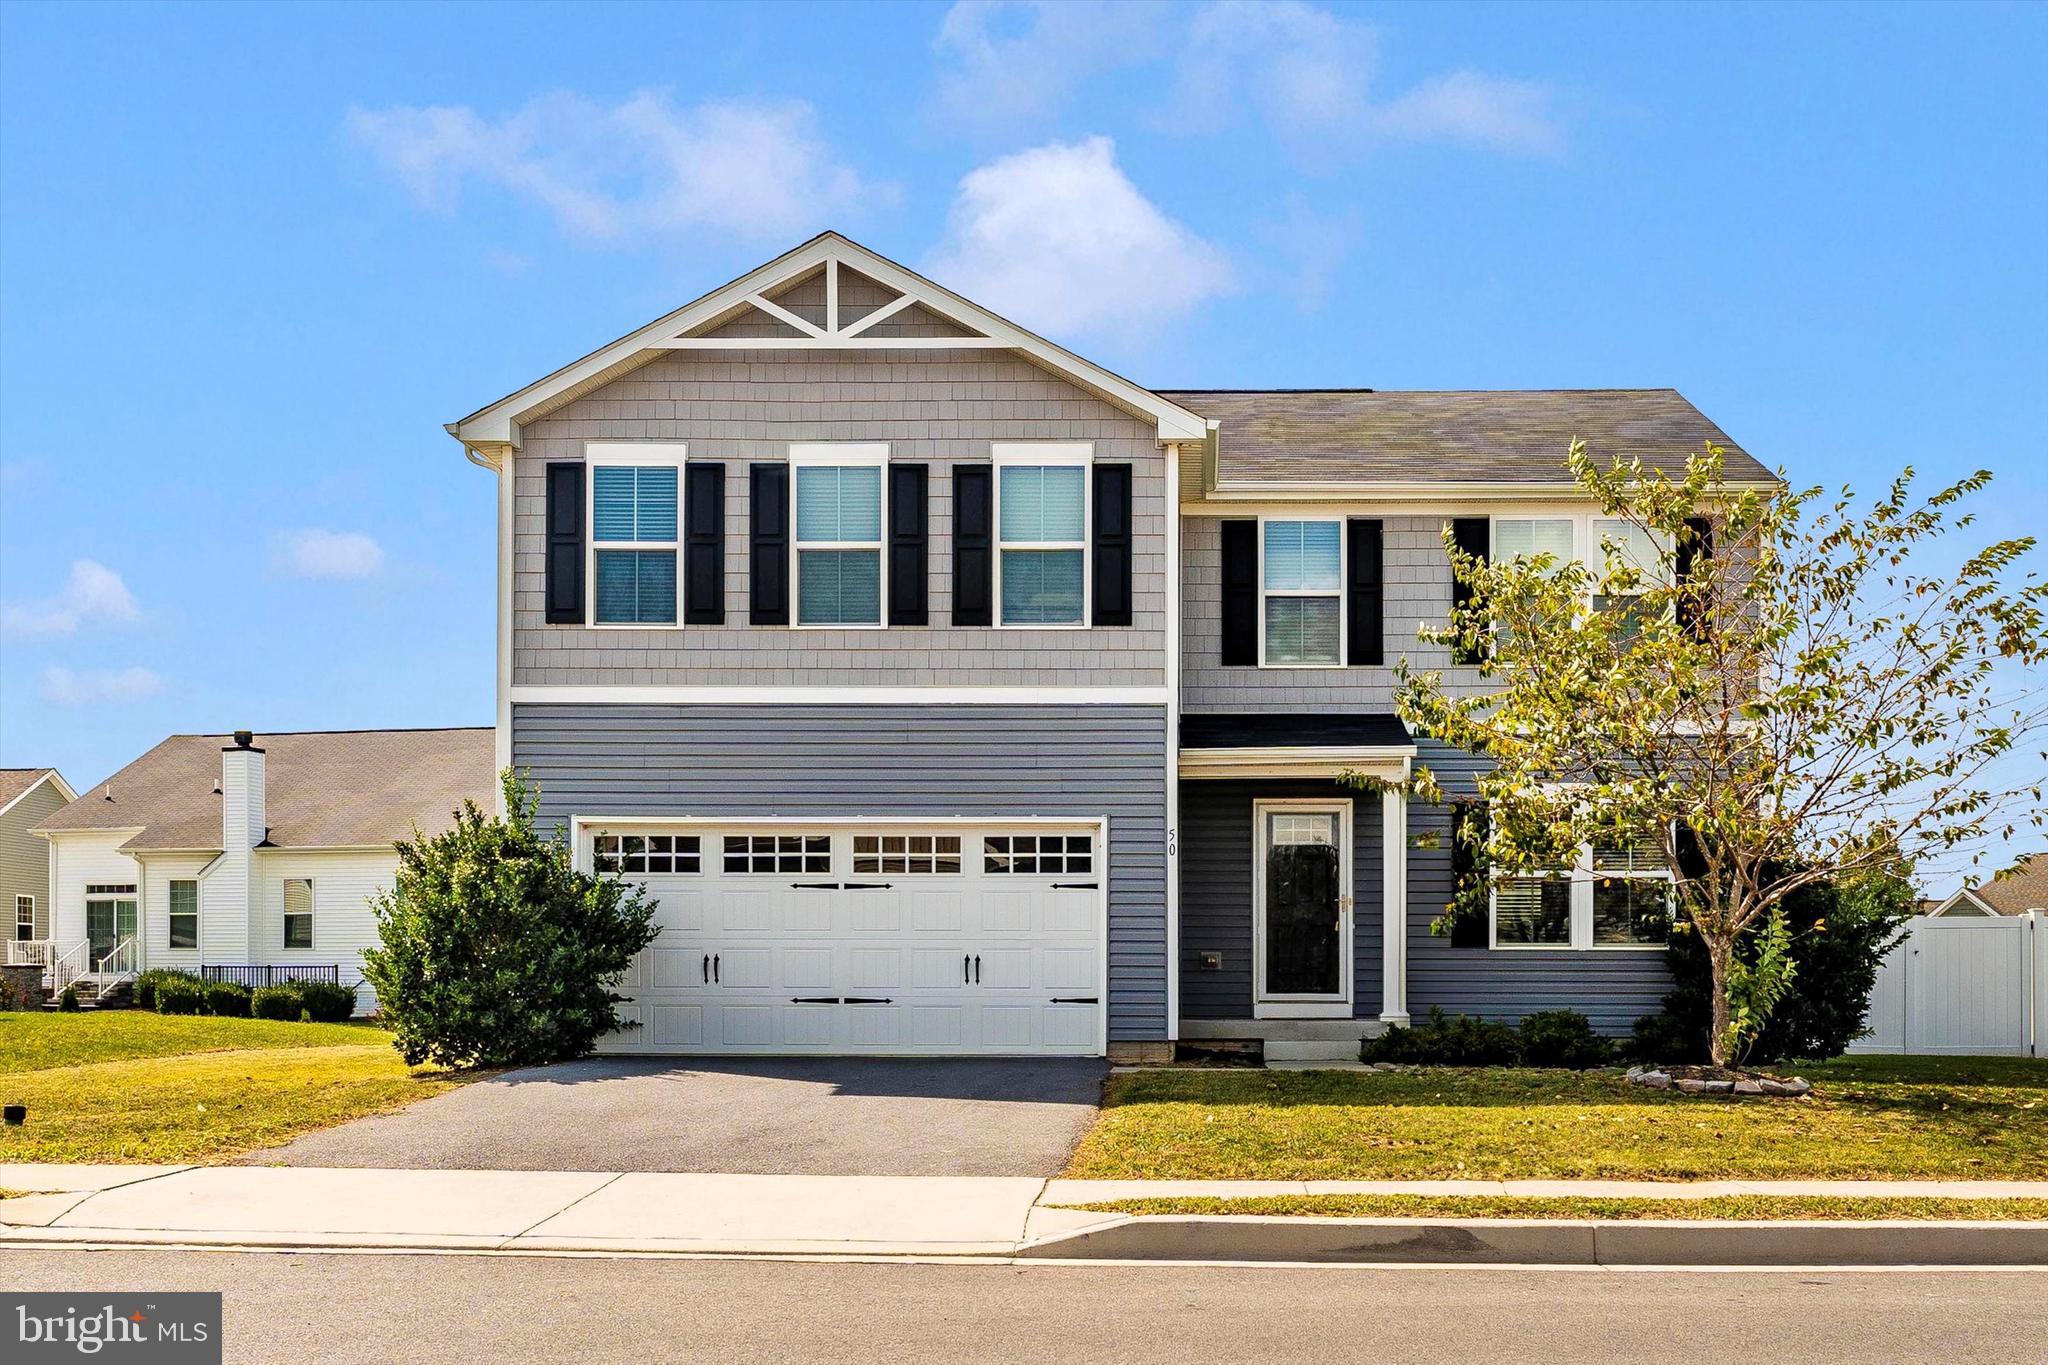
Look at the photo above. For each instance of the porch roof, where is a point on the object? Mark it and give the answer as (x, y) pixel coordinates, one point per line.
(1295, 730)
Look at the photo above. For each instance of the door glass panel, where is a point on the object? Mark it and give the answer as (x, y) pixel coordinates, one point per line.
(1304, 935)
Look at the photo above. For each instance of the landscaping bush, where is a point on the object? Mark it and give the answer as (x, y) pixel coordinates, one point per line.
(176, 995)
(325, 1002)
(495, 950)
(1563, 1038)
(228, 999)
(147, 982)
(1840, 934)
(277, 1002)
(1442, 1041)
(68, 1001)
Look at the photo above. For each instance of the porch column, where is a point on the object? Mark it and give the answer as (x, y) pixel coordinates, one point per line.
(1394, 906)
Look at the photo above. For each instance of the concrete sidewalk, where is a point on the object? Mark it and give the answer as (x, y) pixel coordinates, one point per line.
(599, 1211)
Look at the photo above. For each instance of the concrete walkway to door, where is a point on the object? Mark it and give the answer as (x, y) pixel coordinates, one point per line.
(769, 1116)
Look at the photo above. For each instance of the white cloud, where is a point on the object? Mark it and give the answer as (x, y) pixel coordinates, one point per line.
(91, 687)
(1306, 69)
(326, 554)
(1012, 60)
(637, 168)
(1469, 106)
(1060, 240)
(93, 594)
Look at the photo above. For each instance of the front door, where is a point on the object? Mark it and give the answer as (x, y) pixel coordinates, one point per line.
(108, 920)
(1304, 909)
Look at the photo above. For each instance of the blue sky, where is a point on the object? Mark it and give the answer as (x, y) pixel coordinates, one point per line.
(252, 259)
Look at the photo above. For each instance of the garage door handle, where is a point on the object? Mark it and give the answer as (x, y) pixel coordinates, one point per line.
(977, 969)
(965, 975)
(1077, 886)
(714, 967)
(1075, 1000)
(707, 969)
(814, 886)
(866, 1000)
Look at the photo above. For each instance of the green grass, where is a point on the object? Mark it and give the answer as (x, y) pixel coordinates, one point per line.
(1958, 1118)
(137, 1087)
(31, 1040)
(1743, 1207)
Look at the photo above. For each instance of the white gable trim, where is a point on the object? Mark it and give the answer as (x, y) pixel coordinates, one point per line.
(63, 788)
(499, 424)
(1966, 894)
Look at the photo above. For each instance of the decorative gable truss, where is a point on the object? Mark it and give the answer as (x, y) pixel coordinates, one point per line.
(830, 294)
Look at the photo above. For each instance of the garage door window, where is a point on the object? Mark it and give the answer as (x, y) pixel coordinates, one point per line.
(1038, 854)
(778, 853)
(648, 853)
(906, 853)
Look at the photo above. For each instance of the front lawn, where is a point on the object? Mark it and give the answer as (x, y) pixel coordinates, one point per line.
(1957, 1118)
(1747, 1207)
(131, 1086)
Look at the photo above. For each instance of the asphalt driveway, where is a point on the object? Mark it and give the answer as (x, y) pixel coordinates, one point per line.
(774, 1116)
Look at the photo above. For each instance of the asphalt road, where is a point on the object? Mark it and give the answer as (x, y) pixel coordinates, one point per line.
(771, 1116)
(290, 1307)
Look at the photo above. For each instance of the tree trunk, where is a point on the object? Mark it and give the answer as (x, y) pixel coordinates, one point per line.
(1718, 955)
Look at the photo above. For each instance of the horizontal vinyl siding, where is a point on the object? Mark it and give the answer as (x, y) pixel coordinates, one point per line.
(1611, 988)
(158, 873)
(343, 923)
(25, 857)
(84, 859)
(1217, 869)
(794, 762)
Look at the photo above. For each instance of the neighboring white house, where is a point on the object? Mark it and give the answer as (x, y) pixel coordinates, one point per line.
(248, 857)
(2022, 887)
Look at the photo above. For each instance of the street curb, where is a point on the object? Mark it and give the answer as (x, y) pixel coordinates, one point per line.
(1524, 1241)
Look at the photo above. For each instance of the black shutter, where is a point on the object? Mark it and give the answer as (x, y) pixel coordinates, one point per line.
(974, 510)
(1240, 592)
(1112, 545)
(1695, 545)
(704, 544)
(1468, 821)
(1474, 536)
(909, 538)
(768, 545)
(1365, 593)
(565, 544)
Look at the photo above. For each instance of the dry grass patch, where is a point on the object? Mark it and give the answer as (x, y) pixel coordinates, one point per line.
(1762, 1208)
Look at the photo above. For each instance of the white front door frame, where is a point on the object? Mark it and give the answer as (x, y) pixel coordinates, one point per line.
(1269, 1006)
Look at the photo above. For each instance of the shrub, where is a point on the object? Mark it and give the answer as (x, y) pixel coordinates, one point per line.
(277, 1002)
(325, 1002)
(1442, 1041)
(175, 995)
(228, 999)
(68, 1001)
(495, 950)
(1840, 933)
(1563, 1038)
(147, 982)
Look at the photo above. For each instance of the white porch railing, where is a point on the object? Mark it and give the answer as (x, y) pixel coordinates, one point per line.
(119, 963)
(35, 952)
(70, 964)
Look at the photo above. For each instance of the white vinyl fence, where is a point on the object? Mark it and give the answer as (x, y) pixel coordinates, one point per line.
(1964, 986)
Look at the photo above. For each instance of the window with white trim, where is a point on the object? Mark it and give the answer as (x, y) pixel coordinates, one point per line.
(24, 919)
(1581, 539)
(298, 912)
(778, 853)
(906, 853)
(183, 913)
(1638, 549)
(1617, 893)
(1038, 854)
(838, 541)
(635, 509)
(1042, 534)
(1301, 586)
(647, 853)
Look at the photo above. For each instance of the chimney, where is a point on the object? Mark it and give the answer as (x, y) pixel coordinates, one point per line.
(243, 825)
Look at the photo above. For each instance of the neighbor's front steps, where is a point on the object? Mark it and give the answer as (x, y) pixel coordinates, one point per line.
(608, 1212)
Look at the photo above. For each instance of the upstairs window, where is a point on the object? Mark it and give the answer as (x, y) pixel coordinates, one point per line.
(1042, 526)
(1528, 537)
(839, 534)
(298, 912)
(1301, 581)
(184, 913)
(633, 517)
(1639, 550)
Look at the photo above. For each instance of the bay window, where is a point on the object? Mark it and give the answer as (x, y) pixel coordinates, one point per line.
(1042, 530)
(634, 512)
(838, 542)
(1301, 586)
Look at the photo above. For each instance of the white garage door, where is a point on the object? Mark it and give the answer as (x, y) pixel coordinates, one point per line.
(912, 939)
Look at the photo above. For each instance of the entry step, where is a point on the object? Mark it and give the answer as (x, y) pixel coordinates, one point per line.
(1311, 1050)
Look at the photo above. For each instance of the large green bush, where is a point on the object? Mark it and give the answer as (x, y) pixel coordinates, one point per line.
(1441, 1040)
(1840, 933)
(325, 1002)
(277, 1002)
(495, 950)
(1563, 1038)
(228, 999)
(147, 982)
(176, 995)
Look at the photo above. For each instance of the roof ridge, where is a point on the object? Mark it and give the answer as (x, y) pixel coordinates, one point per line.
(369, 730)
(1654, 388)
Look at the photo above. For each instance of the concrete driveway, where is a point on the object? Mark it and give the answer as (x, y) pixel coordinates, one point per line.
(773, 1116)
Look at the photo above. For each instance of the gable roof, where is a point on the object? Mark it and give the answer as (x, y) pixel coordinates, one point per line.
(2024, 888)
(322, 789)
(16, 783)
(751, 295)
(1340, 437)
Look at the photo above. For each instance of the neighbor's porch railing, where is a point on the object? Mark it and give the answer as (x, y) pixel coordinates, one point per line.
(35, 952)
(253, 976)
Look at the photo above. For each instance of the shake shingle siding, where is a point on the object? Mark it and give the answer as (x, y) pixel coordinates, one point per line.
(1218, 865)
(795, 762)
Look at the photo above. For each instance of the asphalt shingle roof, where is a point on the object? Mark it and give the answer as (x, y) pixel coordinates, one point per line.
(322, 789)
(1449, 436)
(2026, 889)
(15, 781)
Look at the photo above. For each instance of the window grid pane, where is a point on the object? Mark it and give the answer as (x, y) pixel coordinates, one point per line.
(1516, 538)
(1630, 910)
(838, 503)
(765, 853)
(1302, 630)
(1038, 854)
(839, 587)
(636, 587)
(630, 502)
(1533, 910)
(1042, 587)
(1304, 556)
(647, 853)
(1044, 503)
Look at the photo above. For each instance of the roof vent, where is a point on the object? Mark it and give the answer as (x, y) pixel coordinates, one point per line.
(244, 738)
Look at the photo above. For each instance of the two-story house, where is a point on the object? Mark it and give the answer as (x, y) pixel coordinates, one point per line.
(956, 695)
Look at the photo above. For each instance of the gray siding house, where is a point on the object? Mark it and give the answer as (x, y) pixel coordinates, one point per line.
(953, 694)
